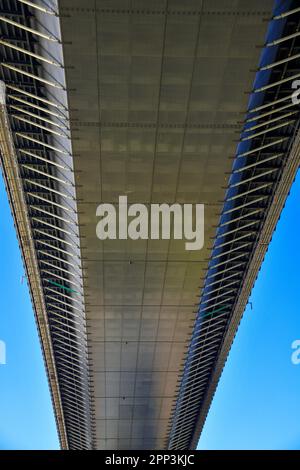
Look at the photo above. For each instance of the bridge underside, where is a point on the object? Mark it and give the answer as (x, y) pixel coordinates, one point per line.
(155, 96)
(158, 98)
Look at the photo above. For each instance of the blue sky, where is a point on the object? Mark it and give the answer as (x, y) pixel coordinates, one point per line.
(256, 405)
(26, 417)
(257, 402)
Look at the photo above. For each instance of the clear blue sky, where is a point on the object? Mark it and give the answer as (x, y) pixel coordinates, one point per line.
(257, 401)
(256, 405)
(26, 417)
